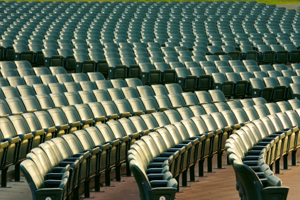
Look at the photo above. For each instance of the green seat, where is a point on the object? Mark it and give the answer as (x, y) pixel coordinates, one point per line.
(163, 149)
(72, 98)
(74, 119)
(87, 96)
(173, 139)
(10, 92)
(160, 89)
(57, 88)
(24, 145)
(120, 152)
(164, 102)
(87, 85)
(186, 80)
(64, 151)
(167, 188)
(217, 95)
(115, 93)
(279, 92)
(103, 84)
(150, 103)
(124, 107)
(260, 90)
(47, 124)
(150, 75)
(118, 83)
(145, 91)
(241, 86)
(64, 78)
(57, 70)
(102, 95)
(252, 113)
(130, 92)
(246, 179)
(9, 154)
(14, 81)
(192, 129)
(16, 105)
(31, 103)
(138, 106)
(41, 188)
(48, 78)
(190, 98)
(22, 128)
(220, 82)
(133, 82)
(89, 165)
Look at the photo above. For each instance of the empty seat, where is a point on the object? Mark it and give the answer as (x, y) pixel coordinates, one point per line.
(279, 91)
(260, 90)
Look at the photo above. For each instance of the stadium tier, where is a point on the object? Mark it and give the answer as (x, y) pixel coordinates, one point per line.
(91, 88)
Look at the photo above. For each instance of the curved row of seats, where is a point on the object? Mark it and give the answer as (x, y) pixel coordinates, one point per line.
(217, 126)
(257, 145)
(255, 83)
(168, 13)
(277, 134)
(38, 118)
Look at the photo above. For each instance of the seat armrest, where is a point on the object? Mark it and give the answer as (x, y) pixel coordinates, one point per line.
(87, 121)
(38, 133)
(55, 176)
(75, 124)
(134, 135)
(12, 140)
(99, 119)
(150, 111)
(113, 116)
(163, 109)
(187, 146)
(193, 142)
(138, 113)
(275, 192)
(94, 151)
(114, 143)
(158, 183)
(104, 147)
(50, 129)
(25, 136)
(124, 139)
(4, 144)
(125, 114)
(62, 127)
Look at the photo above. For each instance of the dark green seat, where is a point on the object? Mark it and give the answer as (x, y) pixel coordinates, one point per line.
(73, 117)
(260, 90)
(120, 152)
(253, 187)
(41, 188)
(164, 188)
(220, 82)
(241, 86)
(23, 143)
(279, 91)
(91, 162)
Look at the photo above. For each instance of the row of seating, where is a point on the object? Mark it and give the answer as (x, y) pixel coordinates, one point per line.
(151, 163)
(134, 6)
(34, 124)
(232, 84)
(255, 147)
(70, 30)
(46, 84)
(153, 122)
(161, 121)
